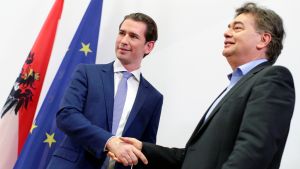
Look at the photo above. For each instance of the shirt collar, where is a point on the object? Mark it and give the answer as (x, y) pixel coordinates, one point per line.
(118, 67)
(245, 68)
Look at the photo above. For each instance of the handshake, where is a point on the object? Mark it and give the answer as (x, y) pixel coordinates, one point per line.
(125, 150)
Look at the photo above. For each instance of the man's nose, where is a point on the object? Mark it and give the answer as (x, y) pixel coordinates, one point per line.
(124, 39)
(228, 33)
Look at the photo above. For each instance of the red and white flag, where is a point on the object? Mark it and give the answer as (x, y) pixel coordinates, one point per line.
(19, 109)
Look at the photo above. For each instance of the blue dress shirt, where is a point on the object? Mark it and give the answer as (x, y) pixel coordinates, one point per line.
(234, 77)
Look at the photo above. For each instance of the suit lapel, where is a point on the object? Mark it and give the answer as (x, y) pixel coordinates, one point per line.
(139, 101)
(203, 122)
(107, 74)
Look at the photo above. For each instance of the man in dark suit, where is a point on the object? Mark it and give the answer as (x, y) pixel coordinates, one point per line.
(247, 125)
(87, 114)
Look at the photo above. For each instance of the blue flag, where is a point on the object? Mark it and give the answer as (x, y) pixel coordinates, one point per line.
(44, 136)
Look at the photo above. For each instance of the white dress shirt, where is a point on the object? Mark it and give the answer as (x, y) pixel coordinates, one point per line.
(132, 88)
(133, 85)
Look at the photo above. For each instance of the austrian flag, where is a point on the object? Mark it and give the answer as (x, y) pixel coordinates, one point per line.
(19, 109)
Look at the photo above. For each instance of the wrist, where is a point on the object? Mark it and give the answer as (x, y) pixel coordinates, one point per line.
(111, 142)
(140, 145)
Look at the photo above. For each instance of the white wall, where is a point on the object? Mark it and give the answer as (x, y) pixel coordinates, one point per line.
(186, 65)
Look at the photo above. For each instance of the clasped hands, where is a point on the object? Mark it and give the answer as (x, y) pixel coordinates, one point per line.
(125, 150)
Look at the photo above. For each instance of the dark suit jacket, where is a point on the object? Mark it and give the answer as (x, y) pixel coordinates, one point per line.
(246, 130)
(86, 117)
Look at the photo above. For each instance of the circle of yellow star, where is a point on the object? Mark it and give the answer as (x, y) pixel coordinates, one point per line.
(50, 139)
(85, 48)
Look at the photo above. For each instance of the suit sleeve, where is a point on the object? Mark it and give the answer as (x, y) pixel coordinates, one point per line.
(71, 120)
(163, 157)
(265, 124)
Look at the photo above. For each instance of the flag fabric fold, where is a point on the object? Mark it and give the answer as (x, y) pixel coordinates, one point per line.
(44, 136)
(18, 111)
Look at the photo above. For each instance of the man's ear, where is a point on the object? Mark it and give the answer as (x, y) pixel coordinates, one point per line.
(264, 41)
(149, 46)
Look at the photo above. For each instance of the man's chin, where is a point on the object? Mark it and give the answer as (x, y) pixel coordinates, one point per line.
(121, 56)
(226, 53)
(122, 59)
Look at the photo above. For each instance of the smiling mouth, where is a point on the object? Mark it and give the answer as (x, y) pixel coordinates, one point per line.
(123, 49)
(227, 44)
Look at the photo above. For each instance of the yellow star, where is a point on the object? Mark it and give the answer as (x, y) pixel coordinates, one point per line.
(33, 126)
(85, 48)
(50, 139)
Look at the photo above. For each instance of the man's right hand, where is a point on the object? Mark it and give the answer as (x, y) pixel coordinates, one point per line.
(124, 151)
(135, 142)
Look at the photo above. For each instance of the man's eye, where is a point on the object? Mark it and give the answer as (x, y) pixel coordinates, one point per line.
(237, 28)
(134, 37)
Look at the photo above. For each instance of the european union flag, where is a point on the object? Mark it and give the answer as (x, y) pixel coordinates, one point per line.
(44, 136)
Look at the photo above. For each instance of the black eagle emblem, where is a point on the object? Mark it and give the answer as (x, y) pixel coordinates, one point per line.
(22, 92)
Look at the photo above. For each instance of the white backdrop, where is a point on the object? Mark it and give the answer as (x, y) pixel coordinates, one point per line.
(189, 48)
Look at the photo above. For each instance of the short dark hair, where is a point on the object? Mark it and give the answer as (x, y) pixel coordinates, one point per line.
(266, 20)
(151, 32)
